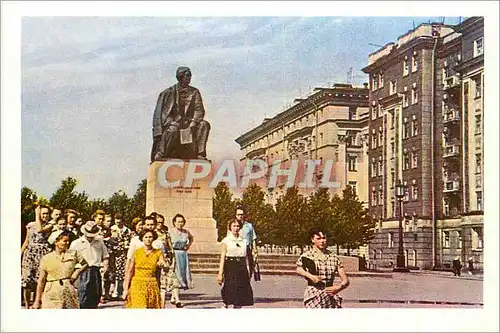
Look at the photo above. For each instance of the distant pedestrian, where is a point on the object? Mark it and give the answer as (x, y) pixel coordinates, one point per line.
(235, 269)
(247, 231)
(471, 266)
(319, 267)
(457, 266)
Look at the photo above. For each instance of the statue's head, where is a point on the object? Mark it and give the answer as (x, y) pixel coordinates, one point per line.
(183, 75)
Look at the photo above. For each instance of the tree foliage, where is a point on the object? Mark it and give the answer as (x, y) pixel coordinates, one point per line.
(258, 211)
(223, 208)
(291, 221)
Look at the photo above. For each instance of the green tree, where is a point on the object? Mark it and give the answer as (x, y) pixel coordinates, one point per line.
(119, 202)
(66, 197)
(223, 208)
(138, 202)
(28, 202)
(291, 223)
(319, 214)
(354, 226)
(91, 206)
(258, 211)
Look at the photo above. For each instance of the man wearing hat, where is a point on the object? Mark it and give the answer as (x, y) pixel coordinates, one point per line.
(93, 250)
(179, 107)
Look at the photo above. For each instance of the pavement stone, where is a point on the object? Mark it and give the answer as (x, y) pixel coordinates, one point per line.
(401, 290)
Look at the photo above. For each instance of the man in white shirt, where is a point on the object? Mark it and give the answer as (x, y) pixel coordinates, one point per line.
(94, 252)
(248, 233)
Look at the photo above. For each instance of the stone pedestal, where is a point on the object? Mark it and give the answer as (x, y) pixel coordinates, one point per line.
(194, 202)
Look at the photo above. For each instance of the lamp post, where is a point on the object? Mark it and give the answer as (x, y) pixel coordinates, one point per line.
(400, 259)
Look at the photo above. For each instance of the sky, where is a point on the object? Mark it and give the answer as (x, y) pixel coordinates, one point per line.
(90, 84)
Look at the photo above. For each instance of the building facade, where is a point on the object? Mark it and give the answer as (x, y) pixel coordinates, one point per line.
(460, 132)
(330, 124)
(420, 134)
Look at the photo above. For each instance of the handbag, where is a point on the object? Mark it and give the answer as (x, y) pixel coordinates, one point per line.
(256, 272)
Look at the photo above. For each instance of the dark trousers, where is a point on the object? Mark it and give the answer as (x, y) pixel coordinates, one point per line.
(168, 144)
(90, 288)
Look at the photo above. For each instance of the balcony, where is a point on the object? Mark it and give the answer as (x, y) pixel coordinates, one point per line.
(451, 186)
(451, 117)
(451, 151)
(451, 82)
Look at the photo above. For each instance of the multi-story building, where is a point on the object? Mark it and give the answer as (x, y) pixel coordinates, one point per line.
(420, 135)
(330, 124)
(460, 133)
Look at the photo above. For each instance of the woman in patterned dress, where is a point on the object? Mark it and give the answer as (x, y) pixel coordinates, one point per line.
(58, 272)
(181, 242)
(319, 267)
(122, 236)
(141, 285)
(35, 246)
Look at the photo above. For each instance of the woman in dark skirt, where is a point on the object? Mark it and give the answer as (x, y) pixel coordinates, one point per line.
(234, 269)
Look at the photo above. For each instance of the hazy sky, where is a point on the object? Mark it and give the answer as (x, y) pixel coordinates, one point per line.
(89, 85)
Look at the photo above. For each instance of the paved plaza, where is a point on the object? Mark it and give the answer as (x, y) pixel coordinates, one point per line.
(415, 290)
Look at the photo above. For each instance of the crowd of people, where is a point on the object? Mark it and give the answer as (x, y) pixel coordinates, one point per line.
(70, 264)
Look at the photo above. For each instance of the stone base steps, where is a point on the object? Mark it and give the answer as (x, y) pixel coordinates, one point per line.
(270, 264)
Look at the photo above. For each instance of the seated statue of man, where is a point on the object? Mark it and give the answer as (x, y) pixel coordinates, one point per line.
(179, 107)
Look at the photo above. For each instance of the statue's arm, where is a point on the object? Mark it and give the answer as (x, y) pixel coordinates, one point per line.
(199, 110)
(157, 121)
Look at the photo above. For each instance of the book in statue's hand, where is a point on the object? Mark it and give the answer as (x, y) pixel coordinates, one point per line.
(186, 136)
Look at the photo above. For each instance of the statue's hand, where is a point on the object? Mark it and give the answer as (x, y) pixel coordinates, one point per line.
(192, 125)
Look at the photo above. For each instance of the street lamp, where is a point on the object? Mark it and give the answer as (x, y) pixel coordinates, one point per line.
(400, 259)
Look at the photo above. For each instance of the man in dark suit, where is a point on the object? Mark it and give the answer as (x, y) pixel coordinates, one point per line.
(179, 107)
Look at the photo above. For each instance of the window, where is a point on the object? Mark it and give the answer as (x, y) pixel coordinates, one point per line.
(374, 110)
(407, 193)
(406, 161)
(477, 238)
(414, 160)
(446, 239)
(380, 197)
(393, 179)
(446, 206)
(392, 87)
(478, 124)
(390, 239)
(380, 167)
(479, 181)
(374, 198)
(393, 208)
(414, 95)
(479, 198)
(352, 162)
(478, 87)
(381, 79)
(414, 128)
(406, 130)
(352, 113)
(459, 239)
(375, 82)
(374, 141)
(353, 187)
(414, 62)
(406, 68)
(478, 163)
(393, 150)
(320, 138)
(414, 190)
(406, 102)
(374, 169)
(478, 143)
(380, 138)
(393, 119)
(478, 47)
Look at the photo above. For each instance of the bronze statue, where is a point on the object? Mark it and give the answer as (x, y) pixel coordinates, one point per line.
(179, 130)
